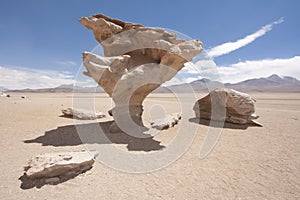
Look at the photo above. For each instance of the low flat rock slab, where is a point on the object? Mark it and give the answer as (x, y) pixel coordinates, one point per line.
(58, 164)
(166, 122)
(82, 114)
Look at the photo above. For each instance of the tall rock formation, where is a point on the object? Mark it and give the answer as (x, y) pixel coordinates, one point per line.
(136, 61)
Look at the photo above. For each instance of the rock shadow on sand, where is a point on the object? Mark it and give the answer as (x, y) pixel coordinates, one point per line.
(68, 136)
(226, 125)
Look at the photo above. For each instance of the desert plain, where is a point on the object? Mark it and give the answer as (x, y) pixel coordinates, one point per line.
(247, 162)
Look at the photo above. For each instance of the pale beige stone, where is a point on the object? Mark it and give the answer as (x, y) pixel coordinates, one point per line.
(137, 60)
(82, 114)
(166, 122)
(58, 164)
(227, 105)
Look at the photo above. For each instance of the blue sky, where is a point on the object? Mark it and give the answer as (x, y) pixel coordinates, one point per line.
(41, 41)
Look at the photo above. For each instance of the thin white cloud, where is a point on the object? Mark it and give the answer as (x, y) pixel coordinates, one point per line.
(66, 63)
(260, 68)
(177, 80)
(228, 47)
(20, 78)
(205, 68)
(191, 72)
(174, 81)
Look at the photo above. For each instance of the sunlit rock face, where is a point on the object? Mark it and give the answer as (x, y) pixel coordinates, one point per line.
(82, 114)
(137, 60)
(59, 164)
(224, 104)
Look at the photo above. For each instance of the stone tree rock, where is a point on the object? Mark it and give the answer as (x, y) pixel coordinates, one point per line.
(137, 60)
(227, 104)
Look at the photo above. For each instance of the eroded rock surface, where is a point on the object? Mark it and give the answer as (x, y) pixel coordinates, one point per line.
(227, 104)
(137, 60)
(82, 114)
(55, 168)
(51, 165)
(166, 122)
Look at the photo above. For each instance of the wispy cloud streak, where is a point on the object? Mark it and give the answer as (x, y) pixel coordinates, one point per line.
(66, 63)
(229, 47)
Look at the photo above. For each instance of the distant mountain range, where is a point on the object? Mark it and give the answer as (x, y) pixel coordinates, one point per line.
(3, 89)
(272, 83)
(65, 88)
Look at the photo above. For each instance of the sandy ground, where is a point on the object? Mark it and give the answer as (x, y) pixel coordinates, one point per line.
(246, 163)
